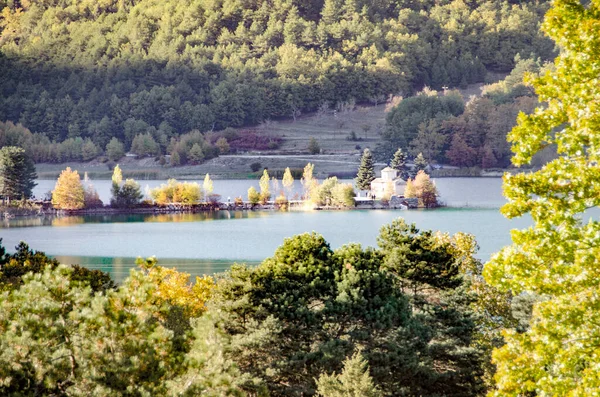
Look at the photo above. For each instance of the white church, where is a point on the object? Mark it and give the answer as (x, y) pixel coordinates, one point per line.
(389, 183)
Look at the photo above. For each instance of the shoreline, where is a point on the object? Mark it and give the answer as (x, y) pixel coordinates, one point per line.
(294, 205)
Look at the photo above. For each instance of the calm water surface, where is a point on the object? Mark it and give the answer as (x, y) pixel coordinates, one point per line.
(209, 243)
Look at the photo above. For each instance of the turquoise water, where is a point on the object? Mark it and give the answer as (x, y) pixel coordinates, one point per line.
(209, 242)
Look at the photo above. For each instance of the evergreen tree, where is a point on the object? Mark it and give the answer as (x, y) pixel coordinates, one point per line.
(124, 195)
(115, 149)
(130, 195)
(366, 171)
(420, 164)
(353, 381)
(68, 193)
(17, 173)
(399, 163)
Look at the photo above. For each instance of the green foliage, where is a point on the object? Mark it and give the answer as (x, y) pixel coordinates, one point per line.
(353, 381)
(129, 195)
(117, 341)
(115, 149)
(184, 193)
(420, 164)
(557, 257)
(402, 122)
(255, 166)
(17, 173)
(66, 346)
(418, 258)
(331, 192)
(103, 71)
(366, 171)
(302, 312)
(342, 195)
(478, 136)
(313, 146)
(399, 160)
(124, 195)
(192, 148)
(13, 267)
(144, 145)
(278, 328)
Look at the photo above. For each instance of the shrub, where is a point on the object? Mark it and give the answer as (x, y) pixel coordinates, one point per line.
(281, 202)
(250, 140)
(185, 193)
(313, 146)
(255, 166)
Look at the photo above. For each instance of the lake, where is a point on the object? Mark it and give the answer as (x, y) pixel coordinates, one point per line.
(210, 242)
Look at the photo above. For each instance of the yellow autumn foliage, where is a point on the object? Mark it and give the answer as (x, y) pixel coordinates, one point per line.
(175, 288)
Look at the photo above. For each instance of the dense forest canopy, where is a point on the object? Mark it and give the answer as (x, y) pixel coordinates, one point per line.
(122, 68)
(446, 130)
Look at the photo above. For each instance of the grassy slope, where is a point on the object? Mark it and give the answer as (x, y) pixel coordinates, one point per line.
(339, 155)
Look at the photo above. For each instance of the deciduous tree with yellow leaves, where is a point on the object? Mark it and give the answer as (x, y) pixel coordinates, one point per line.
(558, 257)
(68, 194)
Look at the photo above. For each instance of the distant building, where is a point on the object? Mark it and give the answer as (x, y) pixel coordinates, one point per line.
(388, 184)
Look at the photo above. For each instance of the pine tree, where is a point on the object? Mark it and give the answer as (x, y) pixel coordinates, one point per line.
(399, 160)
(366, 171)
(17, 173)
(353, 381)
(420, 164)
(68, 194)
(399, 163)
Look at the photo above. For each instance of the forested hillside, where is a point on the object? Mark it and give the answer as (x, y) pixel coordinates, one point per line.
(446, 130)
(100, 69)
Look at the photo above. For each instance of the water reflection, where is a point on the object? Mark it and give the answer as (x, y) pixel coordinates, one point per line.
(68, 220)
(120, 267)
(129, 218)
